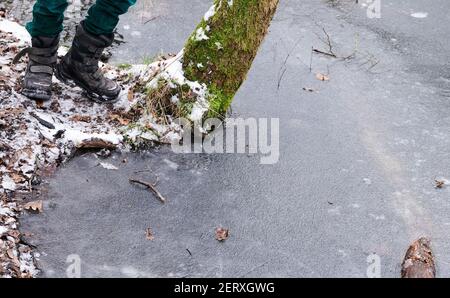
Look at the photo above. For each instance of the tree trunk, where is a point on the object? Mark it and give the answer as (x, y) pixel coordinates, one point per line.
(215, 61)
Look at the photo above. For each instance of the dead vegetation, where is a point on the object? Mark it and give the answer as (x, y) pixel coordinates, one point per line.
(151, 187)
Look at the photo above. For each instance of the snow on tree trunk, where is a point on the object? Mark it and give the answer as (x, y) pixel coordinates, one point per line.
(203, 79)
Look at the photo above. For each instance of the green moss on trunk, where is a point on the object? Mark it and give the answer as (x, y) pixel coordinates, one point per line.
(223, 58)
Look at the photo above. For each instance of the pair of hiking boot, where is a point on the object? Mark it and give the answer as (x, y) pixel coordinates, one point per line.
(78, 66)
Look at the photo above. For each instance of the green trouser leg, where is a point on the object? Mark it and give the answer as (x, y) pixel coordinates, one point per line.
(48, 17)
(103, 16)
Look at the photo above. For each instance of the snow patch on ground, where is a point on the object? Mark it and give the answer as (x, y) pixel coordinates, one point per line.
(3, 230)
(108, 166)
(419, 15)
(8, 183)
(78, 137)
(16, 30)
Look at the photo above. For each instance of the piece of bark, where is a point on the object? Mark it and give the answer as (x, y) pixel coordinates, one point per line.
(419, 260)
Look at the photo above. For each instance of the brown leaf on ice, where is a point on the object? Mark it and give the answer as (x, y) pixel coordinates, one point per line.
(222, 234)
(149, 234)
(419, 260)
(35, 206)
(81, 118)
(439, 183)
(322, 77)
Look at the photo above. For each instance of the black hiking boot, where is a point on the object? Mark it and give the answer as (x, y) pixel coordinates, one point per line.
(37, 83)
(80, 66)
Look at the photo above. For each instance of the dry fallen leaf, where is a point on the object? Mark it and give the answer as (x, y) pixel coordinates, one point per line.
(439, 183)
(40, 104)
(119, 119)
(17, 178)
(14, 233)
(149, 234)
(10, 253)
(36, 206)
(222, 234)
(81, 118)
(13, 258)
(130, 95)
(322, 77)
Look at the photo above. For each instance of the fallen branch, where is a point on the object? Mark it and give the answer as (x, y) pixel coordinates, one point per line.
(328, 43)
(151, 187)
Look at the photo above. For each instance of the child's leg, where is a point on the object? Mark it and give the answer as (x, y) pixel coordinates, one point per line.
(103, 16)
(48, 16)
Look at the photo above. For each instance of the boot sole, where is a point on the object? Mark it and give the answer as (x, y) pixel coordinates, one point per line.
(36, 94)
(70, 81)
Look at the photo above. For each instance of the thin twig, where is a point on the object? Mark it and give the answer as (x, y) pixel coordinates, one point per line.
(328, 43)
(151, 187)
(324, 53)
(151, 19)
(280, 79)
(283, 67)
(330, 46)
